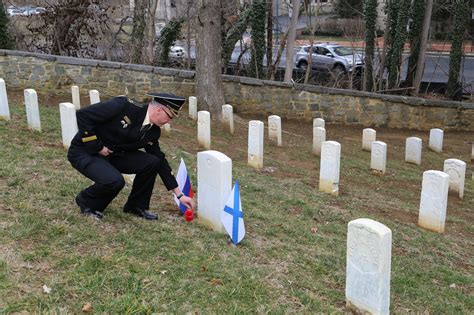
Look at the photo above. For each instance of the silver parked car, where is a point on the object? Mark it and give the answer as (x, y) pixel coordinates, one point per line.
(331, 57)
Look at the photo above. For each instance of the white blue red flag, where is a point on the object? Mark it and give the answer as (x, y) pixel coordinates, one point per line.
(232, 217)
(184, 183)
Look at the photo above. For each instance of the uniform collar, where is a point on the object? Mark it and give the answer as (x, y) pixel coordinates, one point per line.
(146, 121)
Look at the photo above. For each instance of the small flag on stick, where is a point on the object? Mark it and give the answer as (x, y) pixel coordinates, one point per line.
(184, 183)
(232, 217)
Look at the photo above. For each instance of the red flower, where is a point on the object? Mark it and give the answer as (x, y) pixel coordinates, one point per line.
(189, 215)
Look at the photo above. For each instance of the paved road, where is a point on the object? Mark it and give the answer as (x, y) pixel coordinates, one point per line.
(436, 66)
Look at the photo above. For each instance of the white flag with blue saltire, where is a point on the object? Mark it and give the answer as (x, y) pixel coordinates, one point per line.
(232, 217)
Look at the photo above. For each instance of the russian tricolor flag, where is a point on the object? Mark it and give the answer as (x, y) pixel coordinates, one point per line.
(184, 183)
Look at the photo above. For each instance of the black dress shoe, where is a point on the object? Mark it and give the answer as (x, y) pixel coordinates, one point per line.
(147, 215)
(86, 210)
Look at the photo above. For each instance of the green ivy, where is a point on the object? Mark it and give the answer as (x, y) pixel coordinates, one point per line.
(169, 34)
(138, 31)
(398, 43)
(6, 42)
(234, 34)
(417, 16)
(461, 11)
(257, 23)
(391, 10)
(370, 16)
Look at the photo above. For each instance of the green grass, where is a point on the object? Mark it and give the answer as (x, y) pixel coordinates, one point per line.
(124, 264)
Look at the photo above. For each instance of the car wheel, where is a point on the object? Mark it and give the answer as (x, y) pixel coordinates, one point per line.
(303, 65)
(339, 70)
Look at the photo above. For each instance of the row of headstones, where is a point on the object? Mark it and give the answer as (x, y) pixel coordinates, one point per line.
(368, 242)
(433, 204)
(378, 149)
(67, 111)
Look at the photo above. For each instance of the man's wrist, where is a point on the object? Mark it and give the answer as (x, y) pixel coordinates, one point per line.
(178, 196)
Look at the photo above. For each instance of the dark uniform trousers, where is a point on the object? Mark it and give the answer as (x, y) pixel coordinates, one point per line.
(117, 124)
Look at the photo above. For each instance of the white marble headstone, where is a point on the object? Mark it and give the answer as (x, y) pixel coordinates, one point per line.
(368, 265)
(274, 129)
(413, 146)
(319, 122)
(67, 111)
(436, 140)
(456, 169)
(378, 157)
(319, 136)
(94, 96)
(32, 110)
(193, 107)
(368, 136)
(434, 201)
(76, 98)
(4, 108)
(166, 130)
(329, 169)
(228, 118)
(255, 144)
(204, 129)
(214, 175)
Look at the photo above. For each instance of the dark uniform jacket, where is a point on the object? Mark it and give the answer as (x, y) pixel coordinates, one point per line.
(117, 124)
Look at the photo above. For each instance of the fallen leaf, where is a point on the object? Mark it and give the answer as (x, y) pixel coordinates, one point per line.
(216, 281)
(314, 230)
(163, 272)
(46, 289)
(203, 269)
(87, 308)
(452, 285)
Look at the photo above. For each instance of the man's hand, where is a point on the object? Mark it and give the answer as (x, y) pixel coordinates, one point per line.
(105, 151)
(188, 202)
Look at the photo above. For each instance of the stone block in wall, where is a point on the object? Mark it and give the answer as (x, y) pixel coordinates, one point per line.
(77, 61)
(139, 68)
(109, 64)
(38, 70)
(165, 71)
(86, 70)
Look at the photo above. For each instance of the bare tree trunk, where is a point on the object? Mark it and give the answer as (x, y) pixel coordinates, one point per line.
(209, 87)
(291, 40)
(420, 67)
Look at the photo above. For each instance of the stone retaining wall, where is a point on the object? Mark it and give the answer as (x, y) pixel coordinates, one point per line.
(55, 74)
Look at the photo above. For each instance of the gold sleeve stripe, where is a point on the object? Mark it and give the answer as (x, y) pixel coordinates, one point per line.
(91, 138)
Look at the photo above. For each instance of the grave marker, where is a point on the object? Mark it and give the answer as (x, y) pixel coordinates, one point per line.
(204, 129)
(94, 96)
(274, 129)
(329, 169)
(368, 265)
(67, 112)
(214, 174)
(413, 146)
(255, 144)
(368, 136)
(193, 107)
(319, 122)
(378, 157)
(76, 99)
(436, 140)
(228, 118)
(319, 136)
(32, 110)
(4, 108)
(434, 201)
(456, 169)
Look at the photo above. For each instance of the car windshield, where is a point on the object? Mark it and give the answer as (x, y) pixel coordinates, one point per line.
(342, 51)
